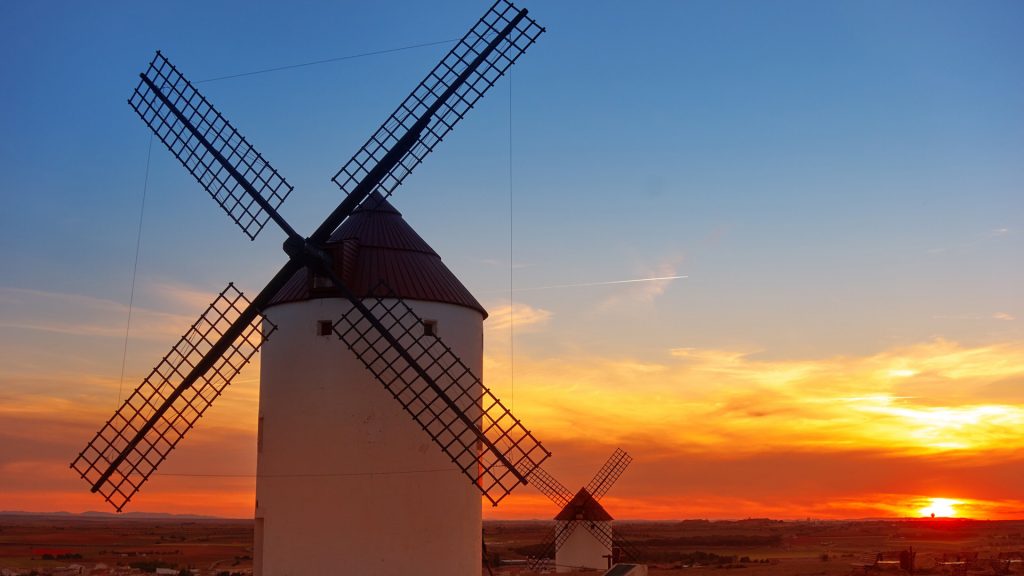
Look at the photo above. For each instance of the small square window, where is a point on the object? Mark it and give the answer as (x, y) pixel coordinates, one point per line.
(324, 327)
(430, 327)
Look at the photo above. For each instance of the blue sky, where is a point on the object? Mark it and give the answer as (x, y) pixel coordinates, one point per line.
(833, 179)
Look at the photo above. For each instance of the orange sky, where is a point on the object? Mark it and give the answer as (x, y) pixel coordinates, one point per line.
(713, 432)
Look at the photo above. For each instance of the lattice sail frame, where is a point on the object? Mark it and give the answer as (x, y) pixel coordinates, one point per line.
(461, 415)
(207, 145)
(429, 97)
(549, 486)
(609, 473)
(185, 406)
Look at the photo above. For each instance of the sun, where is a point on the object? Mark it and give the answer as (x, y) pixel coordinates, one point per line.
(940, 507)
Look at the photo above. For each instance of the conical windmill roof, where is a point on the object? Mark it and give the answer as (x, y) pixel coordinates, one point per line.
(375, 243)
(583, 506)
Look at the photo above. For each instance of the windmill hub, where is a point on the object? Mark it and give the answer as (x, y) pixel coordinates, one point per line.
(311, 255)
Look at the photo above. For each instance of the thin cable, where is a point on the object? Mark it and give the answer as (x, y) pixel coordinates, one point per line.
(135, 270)
(327, 60)
(511, 267)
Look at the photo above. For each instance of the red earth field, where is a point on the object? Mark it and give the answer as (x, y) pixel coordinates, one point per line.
(755, 547)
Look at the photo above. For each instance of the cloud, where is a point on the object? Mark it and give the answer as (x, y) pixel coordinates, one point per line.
(181, 296)
(929, 398)
(87, 316)
(1004, 316)
(641, 291)
(519, 316)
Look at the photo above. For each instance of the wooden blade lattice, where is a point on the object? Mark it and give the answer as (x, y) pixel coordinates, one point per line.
(161, 410)
(609, 473)
(208, 146)
(549, 486)
(434, 98)
(458, 412)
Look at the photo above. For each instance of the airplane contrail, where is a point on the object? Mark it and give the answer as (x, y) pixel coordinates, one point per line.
(583, 284)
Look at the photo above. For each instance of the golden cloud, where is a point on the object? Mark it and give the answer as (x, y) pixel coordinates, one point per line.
(521, 317)
(922, 399)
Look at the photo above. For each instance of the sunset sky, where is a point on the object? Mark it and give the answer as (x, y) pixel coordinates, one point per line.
(834, 192)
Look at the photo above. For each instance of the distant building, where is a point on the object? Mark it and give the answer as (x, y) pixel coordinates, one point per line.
(582, 520)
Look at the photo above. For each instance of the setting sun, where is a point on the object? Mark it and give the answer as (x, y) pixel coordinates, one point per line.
(940, 507)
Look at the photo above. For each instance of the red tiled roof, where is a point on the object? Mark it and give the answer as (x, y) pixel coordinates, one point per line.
(584, 507)
(375, 243)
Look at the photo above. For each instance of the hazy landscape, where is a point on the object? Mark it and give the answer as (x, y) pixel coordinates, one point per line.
(107, 544)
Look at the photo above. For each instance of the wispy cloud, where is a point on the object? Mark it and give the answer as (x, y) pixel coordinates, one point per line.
(181, 296)
(968, 244)
(522, 317)
(78, 315)
(650, 284)
(660, 280)
(1004, 316)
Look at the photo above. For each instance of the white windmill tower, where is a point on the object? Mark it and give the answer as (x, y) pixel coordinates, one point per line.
(339, 461)
(582, 538)
(347, 479)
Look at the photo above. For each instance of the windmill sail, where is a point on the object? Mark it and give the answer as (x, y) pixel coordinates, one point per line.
(549, 486)
(443, 98)
(158, 414)
(447, 93)
(208, 146)
(609, 473)
(463, 417)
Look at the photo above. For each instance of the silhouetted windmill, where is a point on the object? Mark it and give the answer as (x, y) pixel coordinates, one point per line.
(379, 322)
(582, 535)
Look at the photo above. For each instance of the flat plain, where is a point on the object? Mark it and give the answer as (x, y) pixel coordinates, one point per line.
(755, 547)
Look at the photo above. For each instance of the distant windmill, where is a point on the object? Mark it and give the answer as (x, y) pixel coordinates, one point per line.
(346, 482)
(583, 534)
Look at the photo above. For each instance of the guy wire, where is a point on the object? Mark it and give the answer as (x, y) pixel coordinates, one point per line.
(135, 271)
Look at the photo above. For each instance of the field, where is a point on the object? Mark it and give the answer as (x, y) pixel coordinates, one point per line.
(48, 542)
(760, 547)
(692, 547)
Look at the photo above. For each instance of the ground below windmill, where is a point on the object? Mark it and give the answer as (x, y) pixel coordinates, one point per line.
(105, 544)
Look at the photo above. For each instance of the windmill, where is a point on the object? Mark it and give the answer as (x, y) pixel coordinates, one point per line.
(422, 370)
(583, 535)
